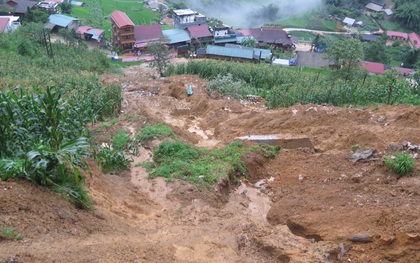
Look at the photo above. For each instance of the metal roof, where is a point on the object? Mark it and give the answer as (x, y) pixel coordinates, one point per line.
(349, 21)
(374, 7)
(121, 18)
(61, 20)
(185, 12)
(230, 52)
(176, 35)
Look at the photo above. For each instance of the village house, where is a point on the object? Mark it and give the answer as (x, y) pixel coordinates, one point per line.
(178, 39)
(16, 7)
(122, 30)
(184, 18)
(147, 34)
(375, 7)
(234, 53)
(273, 36)
(369, 38)
(9, 23)
(349, 21)
(59, 21)
(200, 35)
(394, 35)
(50, 7)
(414, 40)
(89, 33)
(313, 60)
(379, 68)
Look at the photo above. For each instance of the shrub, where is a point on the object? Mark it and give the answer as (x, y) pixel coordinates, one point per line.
(9, 233)
(111, 161)
(151, 132)
(120, 140)
(400, 163)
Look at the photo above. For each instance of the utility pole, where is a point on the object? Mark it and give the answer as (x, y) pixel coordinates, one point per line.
(47, 43)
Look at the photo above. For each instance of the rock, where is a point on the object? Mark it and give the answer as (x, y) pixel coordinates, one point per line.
(66, 215)
(361, 239)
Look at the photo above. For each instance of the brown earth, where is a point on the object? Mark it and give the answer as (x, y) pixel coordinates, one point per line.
(310, 200)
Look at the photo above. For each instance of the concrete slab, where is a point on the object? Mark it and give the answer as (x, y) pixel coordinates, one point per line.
(287, 141)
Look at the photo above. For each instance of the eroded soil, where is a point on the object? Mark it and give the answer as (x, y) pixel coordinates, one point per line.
(310, 201)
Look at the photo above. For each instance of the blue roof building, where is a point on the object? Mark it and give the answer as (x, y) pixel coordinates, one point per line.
(62, 21)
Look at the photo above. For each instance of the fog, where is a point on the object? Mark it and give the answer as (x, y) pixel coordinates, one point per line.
(252, 13)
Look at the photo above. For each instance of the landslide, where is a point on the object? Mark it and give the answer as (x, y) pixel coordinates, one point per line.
(296, 207)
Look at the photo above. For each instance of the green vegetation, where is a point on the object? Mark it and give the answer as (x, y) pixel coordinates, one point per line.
(111, 160)
(120, 140)
(286, 86)
(178, 160)
(151, 132)
(45, 106)
(312, 20)
(400, 163)
(9, 232)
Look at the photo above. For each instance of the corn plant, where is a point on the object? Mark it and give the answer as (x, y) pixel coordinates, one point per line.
(400, 163)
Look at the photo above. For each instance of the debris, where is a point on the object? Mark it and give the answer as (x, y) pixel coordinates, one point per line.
(367, 155)
(190, 90)
(301, 177)
(343, 251)
(361, 239)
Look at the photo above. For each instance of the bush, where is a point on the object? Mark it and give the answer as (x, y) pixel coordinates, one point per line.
(400, 163)
(120, 140)
(111, 161)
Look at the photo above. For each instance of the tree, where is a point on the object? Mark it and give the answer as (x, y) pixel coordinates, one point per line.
(408, 13)
(66, 7)
(160, 51)
(411, 58)
(35, 16)
(249, 42)
(347, 54)
(376, 52)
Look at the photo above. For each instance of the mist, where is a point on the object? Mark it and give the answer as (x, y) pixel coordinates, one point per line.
(252, 13)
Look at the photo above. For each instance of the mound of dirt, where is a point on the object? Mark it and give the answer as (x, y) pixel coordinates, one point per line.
(304, 205)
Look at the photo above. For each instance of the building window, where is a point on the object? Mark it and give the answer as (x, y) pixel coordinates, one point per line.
(127, 29)
(127, 37)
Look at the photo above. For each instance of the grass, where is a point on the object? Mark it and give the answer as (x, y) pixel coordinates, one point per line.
(9, 232)
(178, 160)
(400, 163)
(310, 20)
(120, 140)
(151, 132)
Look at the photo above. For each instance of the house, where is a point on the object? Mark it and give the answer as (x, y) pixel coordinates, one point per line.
(360, 24)
(59, 21)
(152, 4)
(77, 3)
(394, 35)
(313, 60)
(406, 71)
(374, 7)
(388, 12)
(146, 34)
(9, 23)
(274, 36)
(259, 53)
(200, 35)
(369, 38)
(4, 25)
(50, 7)
(234, 53)
(374, 67)
(122, 30)
(179, 39)
(414, 40)
(184, 18)
(349, 21)
(16, 7)
(88, 33)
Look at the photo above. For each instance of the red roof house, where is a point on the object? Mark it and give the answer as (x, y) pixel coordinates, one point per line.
(405, 71)
(414, 40)
(146, 34)
(4, 22)
(122, 30)
(397, 35)
(199, 35)
(373, 67)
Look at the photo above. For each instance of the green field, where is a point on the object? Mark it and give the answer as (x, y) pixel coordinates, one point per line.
(309, 20)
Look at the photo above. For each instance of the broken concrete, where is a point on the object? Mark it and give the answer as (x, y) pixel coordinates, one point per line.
(286, 141)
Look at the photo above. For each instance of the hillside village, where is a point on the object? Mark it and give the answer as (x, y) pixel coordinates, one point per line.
(192, 35)
(247, 149)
